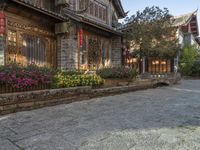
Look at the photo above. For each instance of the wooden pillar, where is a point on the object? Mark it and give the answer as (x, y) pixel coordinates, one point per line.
(172, 65)
(143, 64)
(146, 64)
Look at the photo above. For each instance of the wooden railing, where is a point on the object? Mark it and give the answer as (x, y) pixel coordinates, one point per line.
(5, 88)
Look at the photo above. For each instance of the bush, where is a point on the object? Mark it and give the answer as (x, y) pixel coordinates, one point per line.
(195, 71)
(117, 72)
(187, 59)
(21, 77)
(63, 80)
(69, 72)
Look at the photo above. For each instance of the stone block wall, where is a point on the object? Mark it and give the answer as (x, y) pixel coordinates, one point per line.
(67, 45)
(14, 102)
(116, 51)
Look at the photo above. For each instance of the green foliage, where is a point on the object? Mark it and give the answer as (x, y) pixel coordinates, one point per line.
(70, 72)
(151, 33)
(21, 77)
(187, 59)
(195, 70)
(63, 80)
(117, 72)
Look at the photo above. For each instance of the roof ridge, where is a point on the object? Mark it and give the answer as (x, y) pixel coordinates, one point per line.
(191, 13)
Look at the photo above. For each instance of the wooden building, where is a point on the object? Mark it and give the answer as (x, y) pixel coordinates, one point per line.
(67, 34)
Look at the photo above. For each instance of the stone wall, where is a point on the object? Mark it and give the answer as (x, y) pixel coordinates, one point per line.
(14, 102)
(116, 51)
(67, 45)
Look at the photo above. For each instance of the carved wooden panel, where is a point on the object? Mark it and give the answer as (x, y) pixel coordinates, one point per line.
(29, 41)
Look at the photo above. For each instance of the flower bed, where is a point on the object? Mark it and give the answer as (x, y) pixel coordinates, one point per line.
(16, 78)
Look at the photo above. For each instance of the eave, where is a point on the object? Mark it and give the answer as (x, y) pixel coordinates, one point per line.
(90, 22)
(119, 8)
(188, 21)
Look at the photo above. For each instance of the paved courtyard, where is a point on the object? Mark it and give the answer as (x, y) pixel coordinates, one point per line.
(166, 118)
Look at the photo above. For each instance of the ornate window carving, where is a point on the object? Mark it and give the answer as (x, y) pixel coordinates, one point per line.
(48, 4)
(29, 43)
(94, 8)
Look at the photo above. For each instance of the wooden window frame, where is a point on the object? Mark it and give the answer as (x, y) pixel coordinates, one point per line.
(100, 40)
(96, 9)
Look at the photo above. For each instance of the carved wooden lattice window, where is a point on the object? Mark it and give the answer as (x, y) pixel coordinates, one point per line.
(94, 51)
(25, 48)
(100, 13)
(81, 4)
(48, 4)
(105, 52)
(12, 46)
(35, 2)
(104, 14)
(92, 9)
(34, 49)
(95, 9)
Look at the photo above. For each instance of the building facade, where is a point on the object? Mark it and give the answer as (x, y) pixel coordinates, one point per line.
(65, 34)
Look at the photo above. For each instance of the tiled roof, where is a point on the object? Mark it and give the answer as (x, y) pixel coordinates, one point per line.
(183, 19)
(68, 14)
(120, 8)
(40, 9)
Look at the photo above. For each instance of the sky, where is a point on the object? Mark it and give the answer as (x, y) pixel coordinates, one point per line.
(176, 7)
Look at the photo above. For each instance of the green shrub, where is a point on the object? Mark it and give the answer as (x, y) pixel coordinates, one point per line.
(117, 72)
(187, 60)
(91, 80)
(21, 77)
(68, 72)
(195, 71)
(64, 80)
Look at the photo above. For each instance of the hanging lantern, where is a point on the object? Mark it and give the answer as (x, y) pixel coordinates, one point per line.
(2, 30)
(2, 23)
(81, 37)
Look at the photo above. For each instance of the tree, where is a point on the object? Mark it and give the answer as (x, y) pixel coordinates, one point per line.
(151, 33)
(188, 58)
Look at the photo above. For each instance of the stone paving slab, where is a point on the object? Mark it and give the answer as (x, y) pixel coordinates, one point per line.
(7, 145)
(166, 118)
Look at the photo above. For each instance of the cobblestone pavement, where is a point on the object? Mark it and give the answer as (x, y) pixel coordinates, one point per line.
(166, 118)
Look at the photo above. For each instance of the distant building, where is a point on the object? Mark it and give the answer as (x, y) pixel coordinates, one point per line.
(187, 33)
(187, 29)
